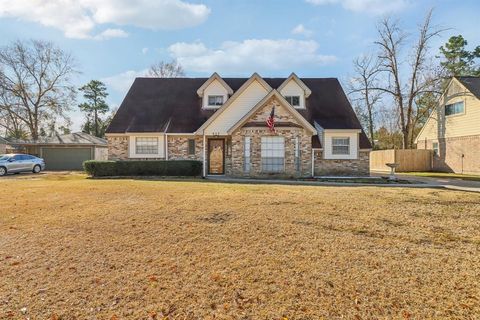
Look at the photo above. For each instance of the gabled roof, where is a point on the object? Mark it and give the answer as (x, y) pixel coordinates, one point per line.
(152, 103)
(281, 99)
(80, 138)
(213, 77)
(472, 84)
(254, 77)
(302, 85)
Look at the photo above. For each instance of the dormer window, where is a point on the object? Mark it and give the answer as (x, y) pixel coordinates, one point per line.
(215, 101)
(293, 100)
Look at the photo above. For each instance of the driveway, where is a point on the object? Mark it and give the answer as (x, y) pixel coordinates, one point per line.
(450, 183)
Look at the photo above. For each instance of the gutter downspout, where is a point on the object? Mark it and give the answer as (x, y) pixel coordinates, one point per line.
(204, 155)
(313, 163)
(166, 138)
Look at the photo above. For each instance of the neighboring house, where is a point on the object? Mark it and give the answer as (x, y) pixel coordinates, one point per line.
(64, 152)
(3, 145)
(222, 122)
(453, 130)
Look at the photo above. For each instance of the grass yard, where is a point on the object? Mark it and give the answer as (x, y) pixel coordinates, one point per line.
(76, 248)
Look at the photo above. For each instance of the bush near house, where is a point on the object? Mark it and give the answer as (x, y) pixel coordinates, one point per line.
(184, 168)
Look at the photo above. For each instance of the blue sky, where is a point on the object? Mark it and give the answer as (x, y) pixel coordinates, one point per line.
(117, 40)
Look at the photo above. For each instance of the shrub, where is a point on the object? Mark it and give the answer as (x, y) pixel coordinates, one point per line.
(186, 168)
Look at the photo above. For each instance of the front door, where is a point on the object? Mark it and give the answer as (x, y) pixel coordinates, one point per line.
(216, 156)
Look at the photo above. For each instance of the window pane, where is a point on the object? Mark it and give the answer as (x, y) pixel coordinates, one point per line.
(146, 145)
(341, 145)
(215, 100)
(293, 100)
(454, 108)
(273, 154)
(246, 154)
(191, 146)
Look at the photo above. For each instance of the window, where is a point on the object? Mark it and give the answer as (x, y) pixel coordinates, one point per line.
(340, 145)
(273, 154)
(215, 100)
(246, 155)
(191, 146)
(454, 108)
(146, 146)
(297, 154)
(293, 100)
(435, 148)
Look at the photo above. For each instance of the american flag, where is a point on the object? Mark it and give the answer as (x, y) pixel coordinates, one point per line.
(271, 120)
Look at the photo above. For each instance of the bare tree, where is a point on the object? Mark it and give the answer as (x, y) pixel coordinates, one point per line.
(35, 79)
(405, 90)
(366, 77)
(163, 69)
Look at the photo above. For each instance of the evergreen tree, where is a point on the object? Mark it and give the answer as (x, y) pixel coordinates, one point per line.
(458, 61)
(94, 93)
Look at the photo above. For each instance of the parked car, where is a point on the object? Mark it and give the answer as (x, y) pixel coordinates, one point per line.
(15, 163)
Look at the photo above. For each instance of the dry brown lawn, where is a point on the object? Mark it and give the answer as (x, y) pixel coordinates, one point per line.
(76, 248)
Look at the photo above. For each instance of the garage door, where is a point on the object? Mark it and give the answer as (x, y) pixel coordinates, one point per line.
(66, 158)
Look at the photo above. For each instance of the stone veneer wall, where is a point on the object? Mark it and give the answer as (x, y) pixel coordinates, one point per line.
(344, 167)
(117, 148)
(450, 154)
(256, 133)
(178, 148)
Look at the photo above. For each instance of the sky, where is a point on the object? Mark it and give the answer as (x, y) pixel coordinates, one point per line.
(117, 40)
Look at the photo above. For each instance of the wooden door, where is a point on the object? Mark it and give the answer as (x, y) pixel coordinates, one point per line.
(216, 156)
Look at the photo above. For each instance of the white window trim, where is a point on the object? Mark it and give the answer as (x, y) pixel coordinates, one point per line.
(215, 105)
(299, 106)
(261, 156)
(342, 145)
(455, 114)
(247, 154)
(132, 149)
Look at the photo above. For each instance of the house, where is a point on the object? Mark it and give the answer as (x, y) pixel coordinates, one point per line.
(453, 130)
(3, 145)
(222, 122)
(64, 152)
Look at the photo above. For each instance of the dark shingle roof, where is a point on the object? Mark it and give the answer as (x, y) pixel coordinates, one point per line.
(472, 84)
(172, 105)
(80, 138)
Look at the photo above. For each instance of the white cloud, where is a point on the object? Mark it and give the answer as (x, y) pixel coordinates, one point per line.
(121, 82)
(78, 18)
(144, 50)
(249, 55)
(300, 29)
(111, 33)
(376, 7)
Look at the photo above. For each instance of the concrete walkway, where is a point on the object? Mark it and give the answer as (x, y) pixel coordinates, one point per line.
(424, 182)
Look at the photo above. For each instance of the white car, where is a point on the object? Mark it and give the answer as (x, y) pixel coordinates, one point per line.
(15, 163)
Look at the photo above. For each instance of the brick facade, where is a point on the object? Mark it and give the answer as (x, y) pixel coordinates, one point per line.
(117, 147)
(287, 126)
(178, 148)
(336, 167)
(449, 158)
(256, 133)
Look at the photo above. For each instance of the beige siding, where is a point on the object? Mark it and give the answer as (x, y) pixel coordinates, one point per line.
(330, 134)
(237, 109)
(293, 89)
(214, 88)
(440, 126)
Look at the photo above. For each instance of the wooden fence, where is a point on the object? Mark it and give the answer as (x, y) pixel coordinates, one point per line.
(409, 160)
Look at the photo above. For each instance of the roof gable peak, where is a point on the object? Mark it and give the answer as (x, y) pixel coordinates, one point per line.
(295, 78)
(213, 77)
